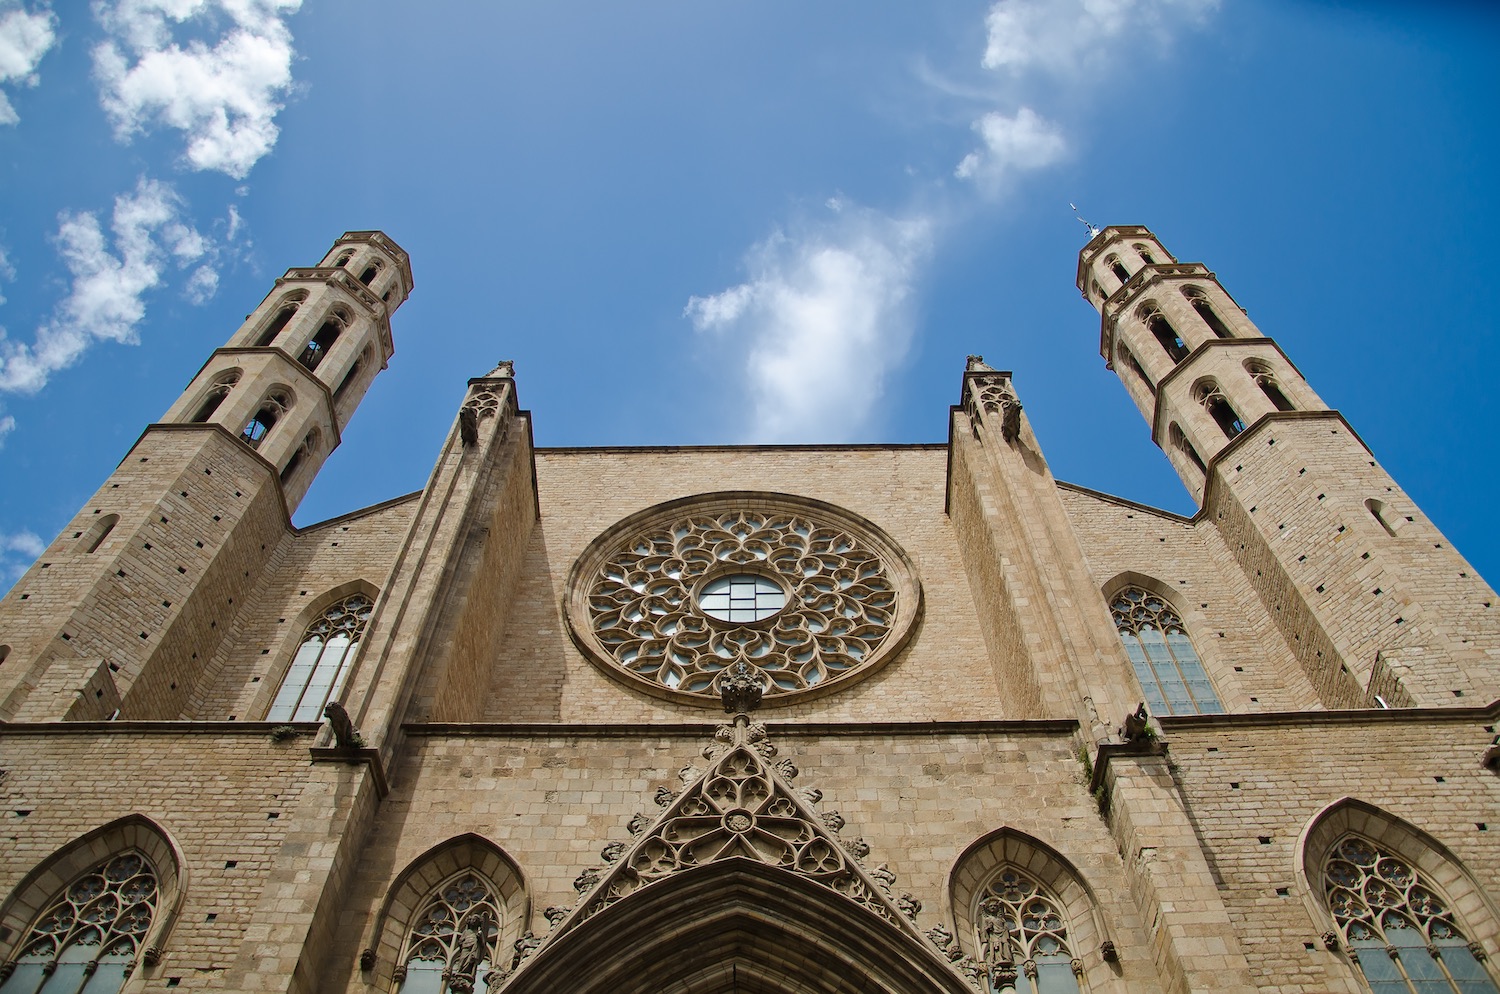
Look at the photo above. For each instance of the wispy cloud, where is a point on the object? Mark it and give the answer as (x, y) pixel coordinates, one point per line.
(1074, 38)
(222, 94)
(1069, 44)
(18, 550)
(824, 317)
(25, 36)
(106, 299)
(1012, 145)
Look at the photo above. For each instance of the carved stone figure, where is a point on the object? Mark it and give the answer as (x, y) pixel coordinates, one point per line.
(884, 876)
(612, 852)
(588, 878)
(525, 946)
(638, 824)
(1136, 725)
(833, 820)
(741, 693)
(995, 938)
(468, 952)
(344, 734)
(468, 425)
(909, 906)
(554, 914)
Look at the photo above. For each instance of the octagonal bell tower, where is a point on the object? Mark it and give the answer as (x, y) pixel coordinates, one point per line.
(126, 606)
(1379, 607)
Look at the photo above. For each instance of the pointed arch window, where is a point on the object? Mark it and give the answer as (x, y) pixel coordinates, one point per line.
(282, 318)
(217, 391)
(258, 427)
(451, 946)
(1170, 673)
(322, 661)
(1184, 446)
(88, 938)
(1145, 254)
(1118, 268)
(317, 348)
(1400, 931)
(1133, 364)
(1165, 334)
(1225, 416)
(1205, 310)
(1266, 380)
(1021, 933)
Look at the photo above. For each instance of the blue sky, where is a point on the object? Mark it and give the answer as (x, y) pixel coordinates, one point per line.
(699, 223)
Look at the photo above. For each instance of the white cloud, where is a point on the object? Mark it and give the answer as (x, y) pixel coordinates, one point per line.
(1071, 37)
(825, 316)
(7, 425)
(18, 550)
(1011, 145)
(106, 298)
(25, 37)
(1074, 42)
(224, 96)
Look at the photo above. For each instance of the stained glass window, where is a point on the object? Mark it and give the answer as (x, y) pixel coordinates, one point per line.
(1021, 923)
(88, 938)
(451, 945)
(1171, 675)
(1399, 930)
(318, 670)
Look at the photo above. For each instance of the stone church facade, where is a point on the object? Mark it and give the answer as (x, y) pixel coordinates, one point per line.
(744, 719)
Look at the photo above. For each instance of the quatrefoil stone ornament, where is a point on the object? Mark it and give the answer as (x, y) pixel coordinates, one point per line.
(707, 599)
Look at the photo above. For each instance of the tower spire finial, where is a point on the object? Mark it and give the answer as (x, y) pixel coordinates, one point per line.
(1094, 229)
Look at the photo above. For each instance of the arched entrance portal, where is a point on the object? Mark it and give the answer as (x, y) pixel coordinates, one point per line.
(736, 926)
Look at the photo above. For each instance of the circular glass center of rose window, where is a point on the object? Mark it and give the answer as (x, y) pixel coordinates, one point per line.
(741, 597)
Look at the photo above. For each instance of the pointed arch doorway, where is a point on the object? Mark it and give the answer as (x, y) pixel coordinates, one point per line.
(736, 926)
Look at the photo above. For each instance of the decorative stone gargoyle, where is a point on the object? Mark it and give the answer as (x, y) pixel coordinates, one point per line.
(1137, 727)
(468, 425)
(345, 735)
(741, 693)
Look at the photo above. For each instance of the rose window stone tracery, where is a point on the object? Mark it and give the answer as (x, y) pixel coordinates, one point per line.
(802, 593)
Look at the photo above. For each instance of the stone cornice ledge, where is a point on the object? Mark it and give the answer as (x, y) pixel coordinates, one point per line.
(600, 730)
(356, 757)
(1349, 716)
(302, 728)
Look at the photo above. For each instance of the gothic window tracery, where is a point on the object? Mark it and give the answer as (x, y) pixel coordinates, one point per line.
(1022, 936)
(1166, 335)
(800, 595)
(1400, 931)
(276, 404)
(88, 938)
(1214, 402)
(221, 387)
(1205, 310)
(451, 946)
(322, 661)
(1266, 380)
(1170, 673)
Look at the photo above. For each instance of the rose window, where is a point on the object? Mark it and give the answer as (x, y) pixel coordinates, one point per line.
(803, 594)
